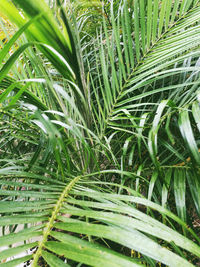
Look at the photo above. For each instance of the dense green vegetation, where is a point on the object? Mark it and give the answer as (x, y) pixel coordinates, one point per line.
(100, 122)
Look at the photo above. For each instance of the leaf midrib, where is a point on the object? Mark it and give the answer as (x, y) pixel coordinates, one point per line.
(52, 219)
(138, 65)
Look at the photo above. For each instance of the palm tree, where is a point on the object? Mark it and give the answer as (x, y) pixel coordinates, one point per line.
(100, 134)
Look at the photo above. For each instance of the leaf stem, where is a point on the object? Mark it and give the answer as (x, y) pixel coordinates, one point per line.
(54, 215)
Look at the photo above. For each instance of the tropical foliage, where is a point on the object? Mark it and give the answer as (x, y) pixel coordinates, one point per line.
(100, 121)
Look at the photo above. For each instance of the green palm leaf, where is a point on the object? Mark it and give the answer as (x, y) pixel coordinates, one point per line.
(99, 152)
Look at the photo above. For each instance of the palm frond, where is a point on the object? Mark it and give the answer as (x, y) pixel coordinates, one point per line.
(100, 134)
